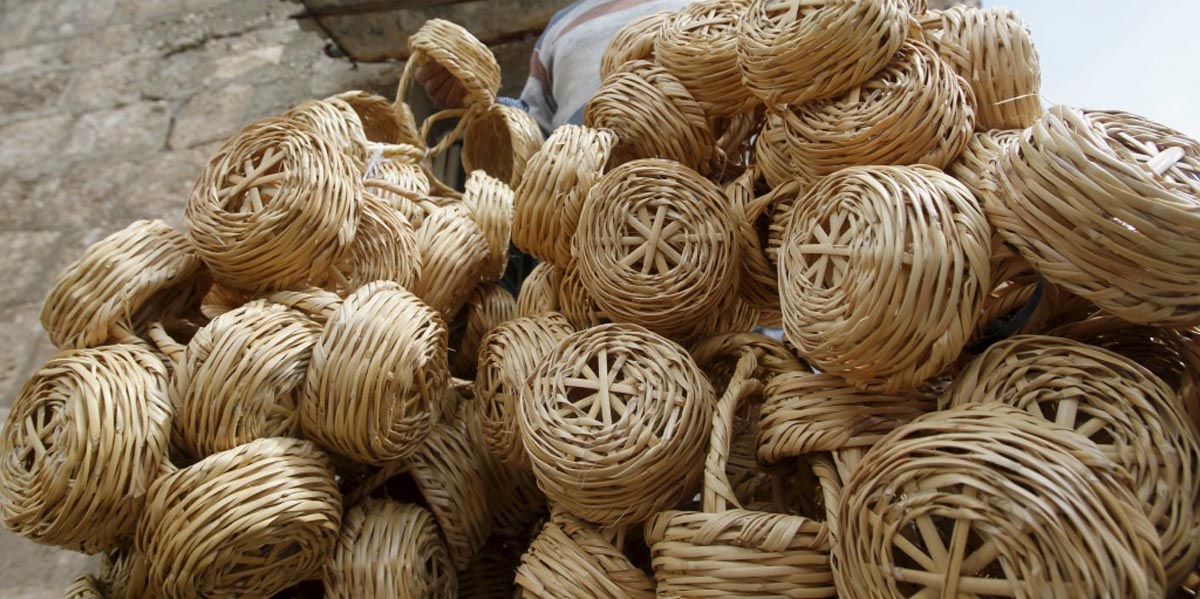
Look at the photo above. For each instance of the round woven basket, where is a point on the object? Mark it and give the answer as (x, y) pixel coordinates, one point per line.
(571, 560)
(915, 111)
(507, 356)
(653, 116)
(698, 45)
(614, 421)
(992, 49)
(456, 50)
(976, 166)
(490, 305)
(455, 255)
(550, 197)
(991, 501)
(119, 284)
(794, 51)
(539, 291)
(575, 301)
(347, 406)
(125, 574)
(1130, 190)
(380, 123)
(275, 207)
(490, 203)
(882, 274)
(84, 587)
(389, 549)
(657, 246)
(1131, 415)
(84, 438)
(500, 142)
(384, 249)
(634, 41)
(336, 122)
(240, 378)
(247, 522)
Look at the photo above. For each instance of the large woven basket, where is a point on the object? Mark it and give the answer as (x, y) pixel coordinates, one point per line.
(500, 141)
(490, 204)
(455, 257)
(570, 559)
(634, 41)
(490, 305)
(698, 45)
(539, 291)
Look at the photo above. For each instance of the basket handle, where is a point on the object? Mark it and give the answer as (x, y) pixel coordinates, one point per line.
(165, 343)
(718, 494)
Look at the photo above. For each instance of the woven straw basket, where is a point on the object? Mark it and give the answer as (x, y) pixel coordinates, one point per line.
(976, 166)
(384, 249)
(500, 141)
(718, 356)
(455, 257)
(575, 301)
(635, 41)
(539, 291)
(698, 45)
(125, 574)
(380, 123)
(758, 276)
(490, 203)
(571, 560)
(773, 150)
(335, 121)
(489, 306)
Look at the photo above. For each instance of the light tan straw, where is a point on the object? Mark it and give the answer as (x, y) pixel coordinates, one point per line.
(84, 587)
(490, 306)
(698, 45)
(718, 356)
(398, 179)
(976, 166)
(384, 249)
(571, 560)
(125, 574)
(490, 203)
(773, 150)
(758, 282)
(500, 141)
(380, 123)
(335, 121)
(455, 256)
(539, 290)
(634, 41)
(575, 301)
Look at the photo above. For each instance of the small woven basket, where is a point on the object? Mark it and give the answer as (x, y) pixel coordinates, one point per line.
(389, 549)
(797, 51)
(575, 301)
(614, 421)
(758, 275)
(634, 41)
(490, 203)
(120, 284)
(571, 560)
(698, 45)
(1131, 415)
(384, 249)
(976, 166)
(490, 305)
(1130, 189)
(84, 438)
(347, 406)
(882, 274)
(657, 246)
(500, 142)
(991, 501)
(398, 179)
(247, 522)
(380, 123)
(455, 255)
(335, 121)
(539, 291)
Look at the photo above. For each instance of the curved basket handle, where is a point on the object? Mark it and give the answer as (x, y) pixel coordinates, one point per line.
(465, 117)
(718, 494)
(401, 102)
(831, 488)
(165, 343)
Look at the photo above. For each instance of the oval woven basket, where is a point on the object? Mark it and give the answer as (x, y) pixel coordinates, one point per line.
(347, 406)
(84, 439)
(507, 356)
(1130, 189)
(539, 291)
(380, 123)
(882, 274)
(1131, 415)
(657, 246)
(335, 121)
(384, 249)
(634, 41)
(796, 51)
(698, 45)
(389, 549)
(490, 306)
(247, 522)
(991, 501)
(550, 197)
(992, 49)
(490, 204)
(575, 301)
(274, 208)
(571, 560)
(455, 255)
(614, 421)
(500, 142)
(914, 111)
(119, 284)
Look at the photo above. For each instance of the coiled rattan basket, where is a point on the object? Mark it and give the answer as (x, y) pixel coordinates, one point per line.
(500, 141)
(455, 256)
(84, 439)
(490, 203)
(490, 305)
(698, 45)
(634, 41)
(570, 559)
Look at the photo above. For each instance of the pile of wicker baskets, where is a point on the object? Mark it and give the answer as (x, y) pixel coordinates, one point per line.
(986, 384)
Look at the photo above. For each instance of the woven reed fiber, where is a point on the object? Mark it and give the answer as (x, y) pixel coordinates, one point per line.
(507, 356)
(653, 116)
(796, 51)
(614, 421)
(772, 150)
(991, 501)
(84, 587)
(490, 203)
(125, 574)
(732, 314)
(275, 207)
(380, 123)
(551, 195)
(1107, 204)
(718, 356)
(976, 166)
(220, 299)
(517, 504)
(698, 45)
(735, 139)
(657, 245)
(391, 550)
(455, 256)
(335, 121)
(84, 439)
(575, 301)
(539, 291)
(500, 141)
(571, 560)
(728, 551)
(992, 49)
(117, 283)
(314, 302)
(758, 282)
(490, 305)
(883, 272)
(460, 53)
(1133, 417)
(491, 574)
(915, 111)
(634, 41)
(240, 378)
(347, 405)
(247, 522)
(384, 249)
(403, 185)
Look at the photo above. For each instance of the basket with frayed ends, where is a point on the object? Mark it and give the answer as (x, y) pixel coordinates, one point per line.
(380, 122)
(882, 274)
(698, 45)
(797, 51)
(915, 111)
(575, 301)
(121, 284)
(84, 587)
(1131, 415)
(653, 116)
(490, 305)
(246, 522)
(1130, 189)
(384, 249)
(570, 559)
(500, 141)
(728, 551)
(490, 202)
(551, 195)
(992, 49)
(657, 246)
(455, 255)
(336, 122)
(988, 500)
(976, 166)
(274, 208)
(635, 41)
(389, 549)
(84, 439)
(507, 356)
(539, 291)
(347, 406)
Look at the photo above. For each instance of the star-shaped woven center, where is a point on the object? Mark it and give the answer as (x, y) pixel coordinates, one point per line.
(653, 241)
(255, 186)
(827, 250)
(790, 11)
(602, 391)
(42, 428)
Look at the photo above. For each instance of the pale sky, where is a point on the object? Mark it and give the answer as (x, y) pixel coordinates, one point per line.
(1142, 56)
